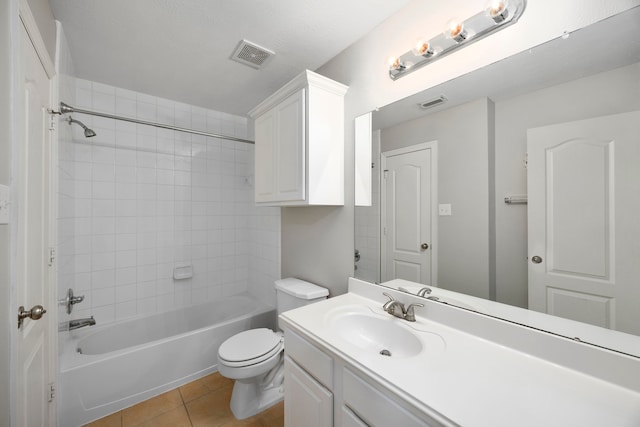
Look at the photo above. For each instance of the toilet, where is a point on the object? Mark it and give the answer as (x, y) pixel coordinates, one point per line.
(255, 358)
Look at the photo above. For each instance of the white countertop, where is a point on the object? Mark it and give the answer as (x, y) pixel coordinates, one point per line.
(471, 380)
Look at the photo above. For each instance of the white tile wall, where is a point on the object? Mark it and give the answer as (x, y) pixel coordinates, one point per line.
(136, 200)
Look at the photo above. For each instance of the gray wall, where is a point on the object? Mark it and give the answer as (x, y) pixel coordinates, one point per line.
(41, 10)
(607, 93)
(464, 148)
(6, 17)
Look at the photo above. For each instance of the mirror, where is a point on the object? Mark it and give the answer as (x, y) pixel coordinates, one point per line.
(477, 145)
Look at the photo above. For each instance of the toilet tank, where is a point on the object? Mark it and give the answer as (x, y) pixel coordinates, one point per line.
(293, 293)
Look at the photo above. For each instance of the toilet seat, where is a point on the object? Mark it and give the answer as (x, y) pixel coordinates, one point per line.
(250, 347)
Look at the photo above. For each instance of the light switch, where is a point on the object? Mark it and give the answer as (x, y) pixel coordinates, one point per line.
(444, 209)
(5, 204)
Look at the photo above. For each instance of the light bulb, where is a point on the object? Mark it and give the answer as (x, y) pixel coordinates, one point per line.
(422, 48)
(395, 64)
(455, 30)
(497, 10)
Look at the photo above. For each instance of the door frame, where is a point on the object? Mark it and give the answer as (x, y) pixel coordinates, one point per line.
(433, 146)
(27, 20)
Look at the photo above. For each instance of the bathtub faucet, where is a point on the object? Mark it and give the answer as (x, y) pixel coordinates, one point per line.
(77, 324)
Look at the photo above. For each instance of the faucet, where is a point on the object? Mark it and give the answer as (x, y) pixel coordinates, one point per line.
(397, 309)
(424, 291)
(77, 324)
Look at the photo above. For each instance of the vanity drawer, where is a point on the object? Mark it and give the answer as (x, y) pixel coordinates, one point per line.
(313, 360)
(375, 408)
(349, 419)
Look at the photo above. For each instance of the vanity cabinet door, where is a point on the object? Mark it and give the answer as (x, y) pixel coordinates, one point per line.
(307, 402)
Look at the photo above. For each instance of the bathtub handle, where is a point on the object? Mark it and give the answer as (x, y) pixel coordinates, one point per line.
(70, 300)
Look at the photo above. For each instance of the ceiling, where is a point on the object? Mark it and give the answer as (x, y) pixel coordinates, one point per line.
(180, 49)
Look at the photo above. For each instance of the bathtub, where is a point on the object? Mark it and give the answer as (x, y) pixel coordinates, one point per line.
(106, 369)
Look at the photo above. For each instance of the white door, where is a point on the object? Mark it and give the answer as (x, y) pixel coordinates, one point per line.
(408, 229)
(584, 205)
(32, 269)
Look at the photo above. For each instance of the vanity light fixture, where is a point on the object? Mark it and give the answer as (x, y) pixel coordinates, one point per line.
(496, 15)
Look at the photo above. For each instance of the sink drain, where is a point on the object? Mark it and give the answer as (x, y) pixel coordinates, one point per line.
(385, 352)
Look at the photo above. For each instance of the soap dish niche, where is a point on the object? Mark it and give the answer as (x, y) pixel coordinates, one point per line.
(184, 271)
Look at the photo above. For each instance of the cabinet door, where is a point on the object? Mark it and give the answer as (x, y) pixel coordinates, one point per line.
(265, 128)
(307, 402)
(290, 148)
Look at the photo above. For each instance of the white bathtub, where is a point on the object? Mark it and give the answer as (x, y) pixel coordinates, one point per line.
(106, 369)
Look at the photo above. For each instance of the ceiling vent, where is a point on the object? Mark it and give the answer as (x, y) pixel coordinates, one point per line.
(251, 54)
(433, 102)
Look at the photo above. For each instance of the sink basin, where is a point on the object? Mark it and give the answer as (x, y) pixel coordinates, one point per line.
(374, 334)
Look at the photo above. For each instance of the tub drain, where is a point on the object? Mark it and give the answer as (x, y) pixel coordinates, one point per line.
(385, 352)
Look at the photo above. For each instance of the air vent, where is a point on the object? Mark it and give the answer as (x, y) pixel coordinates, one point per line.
(433, 102)
(251, 54)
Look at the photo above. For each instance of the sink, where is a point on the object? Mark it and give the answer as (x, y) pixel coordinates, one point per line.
(385, 336)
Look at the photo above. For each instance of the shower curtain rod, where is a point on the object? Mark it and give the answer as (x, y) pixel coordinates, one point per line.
(66, 109)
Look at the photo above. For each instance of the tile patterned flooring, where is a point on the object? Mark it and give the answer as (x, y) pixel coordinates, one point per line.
(201, 403)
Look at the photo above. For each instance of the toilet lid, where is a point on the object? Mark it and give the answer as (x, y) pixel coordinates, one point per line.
(249, 347)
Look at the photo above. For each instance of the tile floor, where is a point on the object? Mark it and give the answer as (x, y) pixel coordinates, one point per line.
(201, 403)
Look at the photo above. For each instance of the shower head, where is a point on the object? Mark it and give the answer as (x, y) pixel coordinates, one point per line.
(88, 133)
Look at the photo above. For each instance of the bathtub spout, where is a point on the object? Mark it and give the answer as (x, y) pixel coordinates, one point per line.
(78, 323)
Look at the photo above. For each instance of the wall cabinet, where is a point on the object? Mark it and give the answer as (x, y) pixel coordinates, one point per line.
(322, 390)
(299, 150)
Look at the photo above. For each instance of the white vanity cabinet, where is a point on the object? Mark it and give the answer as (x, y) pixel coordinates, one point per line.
(299, 150)
(323, 390)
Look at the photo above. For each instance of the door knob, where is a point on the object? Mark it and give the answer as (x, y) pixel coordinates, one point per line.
(424, 246)
(536, 259)
(35, 313)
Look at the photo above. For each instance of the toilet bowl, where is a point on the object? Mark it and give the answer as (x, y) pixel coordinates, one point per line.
(255, 358)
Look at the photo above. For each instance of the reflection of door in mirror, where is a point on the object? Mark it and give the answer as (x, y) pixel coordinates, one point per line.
(581, 194)
(409, 183)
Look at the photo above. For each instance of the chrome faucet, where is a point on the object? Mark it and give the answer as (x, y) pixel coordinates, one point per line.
(77, 324)
(396, 308)
(424, 291)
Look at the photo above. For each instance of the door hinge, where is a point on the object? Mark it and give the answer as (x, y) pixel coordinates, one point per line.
(51, 392)
(52, 256)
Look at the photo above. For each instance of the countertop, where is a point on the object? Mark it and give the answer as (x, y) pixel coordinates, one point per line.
(471, 380)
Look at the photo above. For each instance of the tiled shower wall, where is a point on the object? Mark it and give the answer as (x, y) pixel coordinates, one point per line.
(137, 201)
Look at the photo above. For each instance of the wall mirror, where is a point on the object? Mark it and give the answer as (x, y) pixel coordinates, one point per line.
(444, 161)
